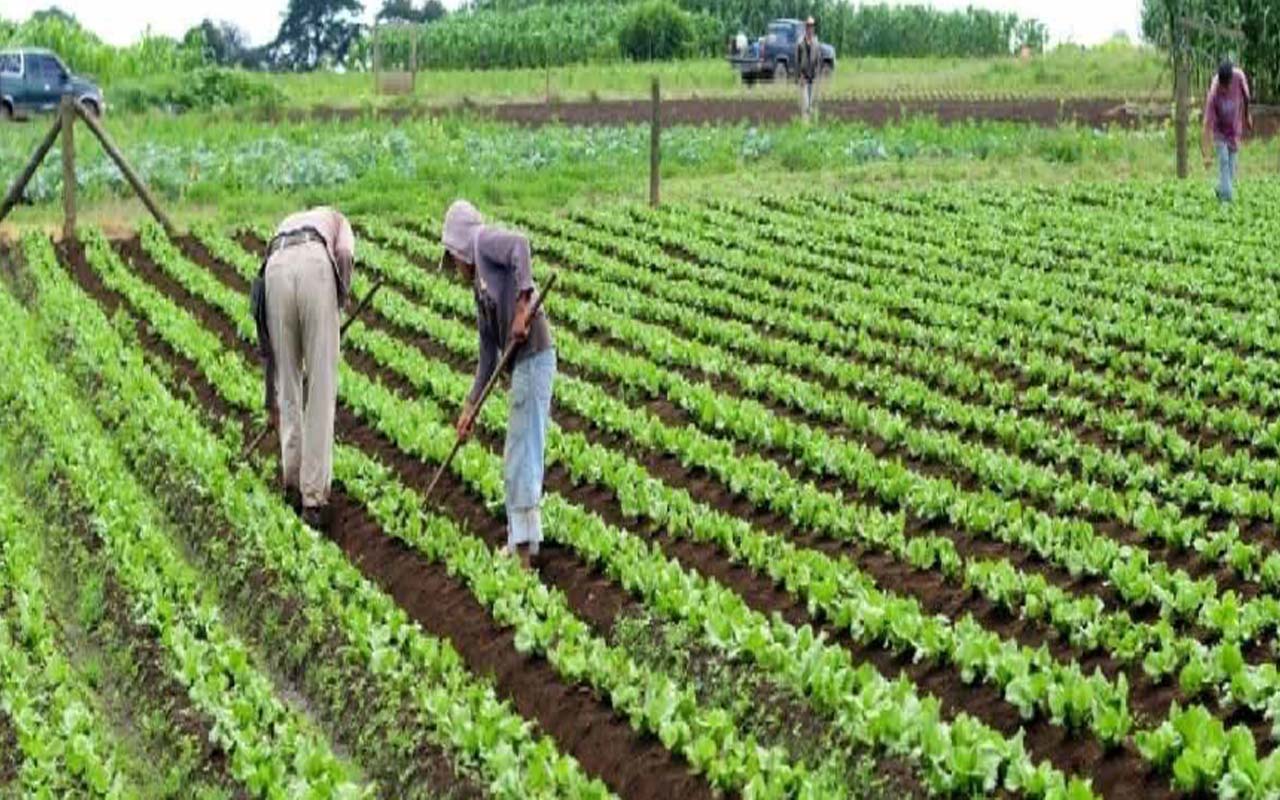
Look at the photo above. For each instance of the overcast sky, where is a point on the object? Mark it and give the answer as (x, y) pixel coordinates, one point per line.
(123, 21)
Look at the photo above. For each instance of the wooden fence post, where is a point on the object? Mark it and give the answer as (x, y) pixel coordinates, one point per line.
(14, 194)
(1182, 108)
(129, 174)
(68, 115)
(655, 145)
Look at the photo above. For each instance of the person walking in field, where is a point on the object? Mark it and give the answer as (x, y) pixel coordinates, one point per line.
(808, 61)
(305, 280)
(498, 265)
(1226, 118)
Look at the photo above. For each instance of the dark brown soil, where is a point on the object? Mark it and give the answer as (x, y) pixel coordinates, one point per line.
(1043, 112)
(937, 596)
(1121, 772)
(10, 755)
(584, 725)
(1046, 741)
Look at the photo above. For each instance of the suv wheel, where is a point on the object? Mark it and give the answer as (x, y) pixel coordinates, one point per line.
(91, 106)
(6, 111)
(780, 72)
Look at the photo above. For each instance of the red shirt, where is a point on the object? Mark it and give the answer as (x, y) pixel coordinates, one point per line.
(1224, 109)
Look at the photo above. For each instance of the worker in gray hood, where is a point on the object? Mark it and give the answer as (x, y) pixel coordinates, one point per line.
(498, 265)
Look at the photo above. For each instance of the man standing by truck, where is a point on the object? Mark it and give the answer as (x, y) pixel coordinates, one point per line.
(808, 61)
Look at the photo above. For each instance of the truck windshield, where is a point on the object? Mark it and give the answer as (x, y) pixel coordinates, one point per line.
(42, 66)
(10, 64)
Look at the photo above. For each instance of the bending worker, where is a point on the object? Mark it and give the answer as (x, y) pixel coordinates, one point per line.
(497, 263)
(305, 280)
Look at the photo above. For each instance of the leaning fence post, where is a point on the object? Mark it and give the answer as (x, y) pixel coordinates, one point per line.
(14, 194)
(129, 174)
(68, 115)
(655, 145)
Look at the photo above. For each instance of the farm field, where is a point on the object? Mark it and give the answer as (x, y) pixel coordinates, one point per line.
(966, 491)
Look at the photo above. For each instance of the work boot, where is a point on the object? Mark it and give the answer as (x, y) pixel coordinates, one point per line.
(318, 517)
(523, 556)
(293, 498)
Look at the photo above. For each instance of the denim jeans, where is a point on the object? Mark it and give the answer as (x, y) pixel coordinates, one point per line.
(1227, 160)
(529, 415)
(808, 94)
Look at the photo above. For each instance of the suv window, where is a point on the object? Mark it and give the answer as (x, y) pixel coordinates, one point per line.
(10, 63)
(779, 33)
(42, 66)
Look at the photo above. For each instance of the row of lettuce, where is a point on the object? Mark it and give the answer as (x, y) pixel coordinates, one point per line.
(1198, 752)
(717, 611)
(453, 301)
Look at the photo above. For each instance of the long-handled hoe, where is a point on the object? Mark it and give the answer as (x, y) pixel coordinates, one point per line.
(488, 387)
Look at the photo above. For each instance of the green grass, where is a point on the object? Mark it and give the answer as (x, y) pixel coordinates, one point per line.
(222, 167)
(1118, 71)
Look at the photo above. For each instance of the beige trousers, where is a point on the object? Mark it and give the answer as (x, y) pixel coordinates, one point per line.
(302, 317)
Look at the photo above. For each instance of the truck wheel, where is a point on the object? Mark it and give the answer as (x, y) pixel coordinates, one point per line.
(780, 72)
(827, 69)
(92, 107)
(6, 112)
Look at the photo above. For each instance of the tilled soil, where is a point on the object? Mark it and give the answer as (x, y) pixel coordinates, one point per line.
(1121, 772)
(632, 763)
(1100, 112)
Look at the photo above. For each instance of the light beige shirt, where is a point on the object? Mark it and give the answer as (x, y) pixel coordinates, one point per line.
(337, 233)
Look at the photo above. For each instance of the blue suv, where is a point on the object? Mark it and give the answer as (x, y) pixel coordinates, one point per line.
(33, 80)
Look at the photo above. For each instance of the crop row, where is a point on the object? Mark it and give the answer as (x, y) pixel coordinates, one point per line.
(1070, 543)
(465, 715)
(363, 394)
(888, 309)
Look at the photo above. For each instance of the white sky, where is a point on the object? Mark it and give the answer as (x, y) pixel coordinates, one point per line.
(123, 21)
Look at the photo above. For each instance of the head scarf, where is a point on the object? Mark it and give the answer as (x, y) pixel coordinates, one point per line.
(460, 226)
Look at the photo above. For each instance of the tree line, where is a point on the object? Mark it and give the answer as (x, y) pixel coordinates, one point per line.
(1205, 29)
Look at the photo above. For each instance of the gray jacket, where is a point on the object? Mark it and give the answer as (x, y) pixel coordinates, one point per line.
(808, 58)
(504, 271)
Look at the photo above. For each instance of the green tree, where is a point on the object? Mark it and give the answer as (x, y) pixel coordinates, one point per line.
(656, 30)
(1258, 52)
(316, 33)
(222, 43)
(406, 11)
(53, 13)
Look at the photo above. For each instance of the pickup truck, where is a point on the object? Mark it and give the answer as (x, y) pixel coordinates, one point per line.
(770, 57)
(33, 80)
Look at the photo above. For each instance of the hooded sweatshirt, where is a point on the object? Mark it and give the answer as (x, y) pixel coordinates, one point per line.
(503, 262)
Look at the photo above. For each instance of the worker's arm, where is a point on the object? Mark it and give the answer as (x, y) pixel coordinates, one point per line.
(520, 259)
(258, 307)
(344, 254)
(485, 366)
(1248, 102)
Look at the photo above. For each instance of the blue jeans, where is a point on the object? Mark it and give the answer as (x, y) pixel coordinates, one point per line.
(529, 414)
(1227, 160)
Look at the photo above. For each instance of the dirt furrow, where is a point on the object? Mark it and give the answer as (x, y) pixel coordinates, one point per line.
(632, 763)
